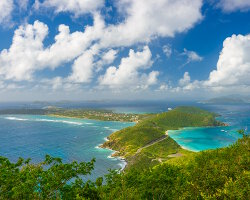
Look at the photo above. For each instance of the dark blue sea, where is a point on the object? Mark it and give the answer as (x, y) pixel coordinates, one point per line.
(34, 136)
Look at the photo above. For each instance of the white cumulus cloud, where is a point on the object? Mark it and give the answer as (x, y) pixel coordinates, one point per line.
(232, 71)
(233, 66)
(128, 72)
(21, 59)
(143, 22)
(27, 53)
(146, 20)
(106, 58)
(185, 80)
(82, 68)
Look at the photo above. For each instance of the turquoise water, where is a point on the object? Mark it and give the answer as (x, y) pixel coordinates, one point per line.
(197, 139)
(33, 136)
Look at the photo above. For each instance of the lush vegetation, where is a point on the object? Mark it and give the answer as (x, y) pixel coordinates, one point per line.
(129, 142)
(49, 179)
(215, 174)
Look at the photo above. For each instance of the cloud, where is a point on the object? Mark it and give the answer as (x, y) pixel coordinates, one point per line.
(27, 53)
(82, 69)
(68, 45)
(148, 20)
(163, 87)
(6, 8)
(127, 74)
(234, 5)
(151, 19)
(167, 50)
(152, 78)
(185, 80)
(192, 56)
(21, 59)
(77, 7)
(107, 58)
(232, 71)
(233, 66)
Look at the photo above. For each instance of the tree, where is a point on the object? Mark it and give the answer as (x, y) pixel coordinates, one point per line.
(50, 179)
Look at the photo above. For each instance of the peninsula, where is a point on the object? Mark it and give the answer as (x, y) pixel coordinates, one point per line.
(147, 143)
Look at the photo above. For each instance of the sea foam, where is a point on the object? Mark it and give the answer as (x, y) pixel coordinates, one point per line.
(44, 120)
(16, 118)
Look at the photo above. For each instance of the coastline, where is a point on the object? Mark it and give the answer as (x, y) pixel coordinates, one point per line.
(185, 148)
(123, 163)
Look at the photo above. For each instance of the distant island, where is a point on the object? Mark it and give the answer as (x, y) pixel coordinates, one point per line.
(97, 114)
(226, 100)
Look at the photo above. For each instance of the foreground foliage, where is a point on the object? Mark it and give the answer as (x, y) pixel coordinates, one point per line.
(215, 174)
(50, 179)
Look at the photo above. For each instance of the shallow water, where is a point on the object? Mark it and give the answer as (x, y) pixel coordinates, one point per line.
(197, 139)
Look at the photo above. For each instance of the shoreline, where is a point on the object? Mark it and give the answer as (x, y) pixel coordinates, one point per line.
(185, 148)
(123, 162)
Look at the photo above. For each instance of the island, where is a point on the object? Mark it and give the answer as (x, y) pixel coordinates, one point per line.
(95, 114)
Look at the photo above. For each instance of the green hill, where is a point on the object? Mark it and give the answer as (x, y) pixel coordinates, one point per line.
(130, 142)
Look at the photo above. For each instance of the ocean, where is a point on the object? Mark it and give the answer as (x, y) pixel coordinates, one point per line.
(34, 136)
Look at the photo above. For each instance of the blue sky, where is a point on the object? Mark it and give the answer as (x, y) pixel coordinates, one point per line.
(124, 49)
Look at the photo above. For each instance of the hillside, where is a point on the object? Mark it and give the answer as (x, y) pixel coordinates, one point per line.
(129, 141)
(214, 174)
